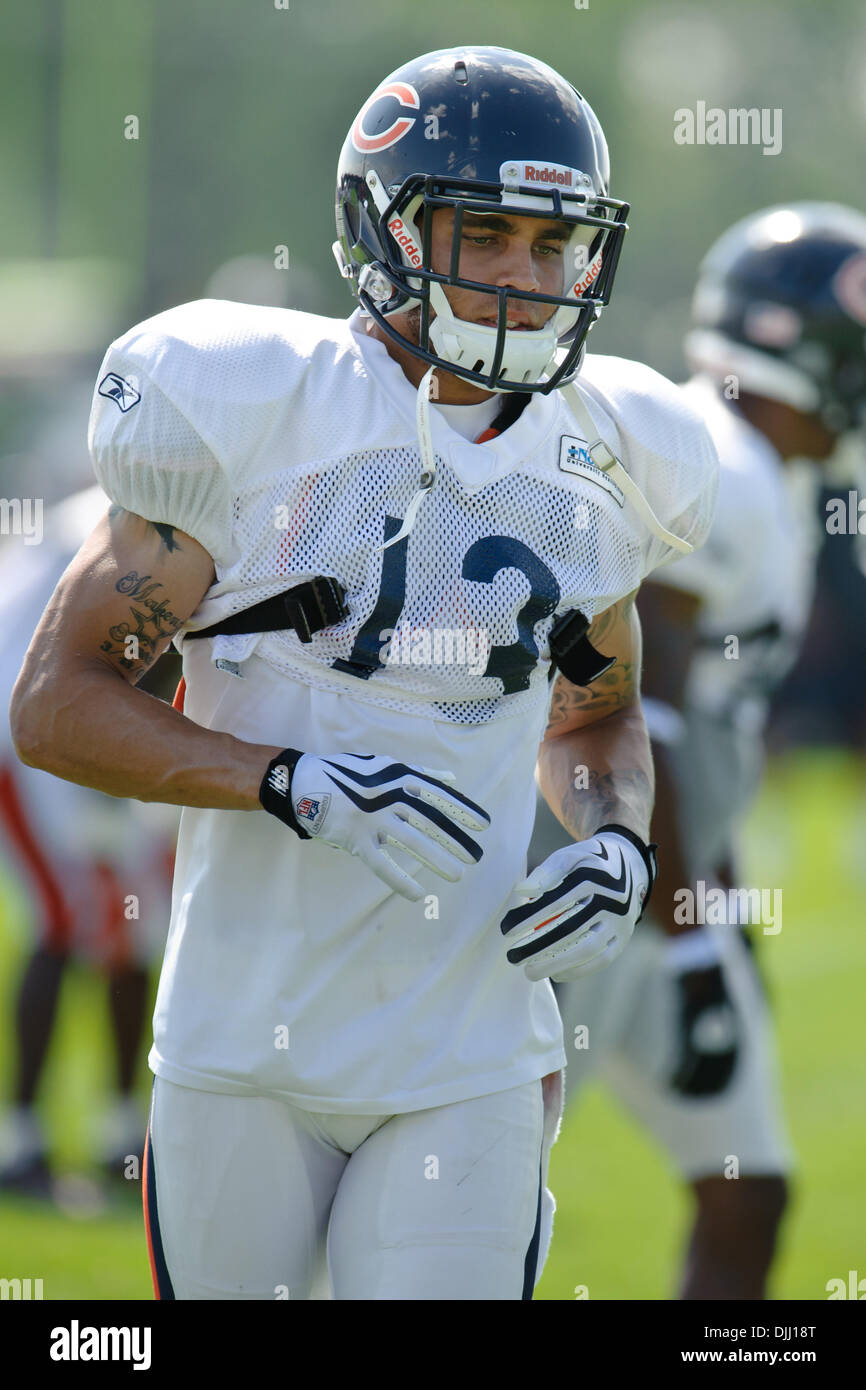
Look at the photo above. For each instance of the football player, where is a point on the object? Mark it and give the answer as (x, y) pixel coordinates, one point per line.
(94, 876)
(371, 538)
(679, 1028)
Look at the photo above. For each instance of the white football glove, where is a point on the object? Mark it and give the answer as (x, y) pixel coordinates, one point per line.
(577, 911)
(360, 802)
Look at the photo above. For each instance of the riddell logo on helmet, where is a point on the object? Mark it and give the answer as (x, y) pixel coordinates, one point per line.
(404, 239)
(591, 274)
(548, 173)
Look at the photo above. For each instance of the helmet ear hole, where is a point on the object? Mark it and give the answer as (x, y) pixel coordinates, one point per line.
(351, 219)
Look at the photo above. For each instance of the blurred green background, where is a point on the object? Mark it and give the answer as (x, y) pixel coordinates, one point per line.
(242, 108)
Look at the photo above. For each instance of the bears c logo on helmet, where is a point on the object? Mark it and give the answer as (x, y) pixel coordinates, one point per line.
(849, 287)
(406, 95)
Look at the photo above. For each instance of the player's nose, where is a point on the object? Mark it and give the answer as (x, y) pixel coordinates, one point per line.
(517, 268)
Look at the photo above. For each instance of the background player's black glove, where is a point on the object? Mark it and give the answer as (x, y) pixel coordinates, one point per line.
(708, 1026)
(362, 803)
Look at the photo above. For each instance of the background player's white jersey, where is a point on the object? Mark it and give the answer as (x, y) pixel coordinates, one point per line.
(58, 837)
(755, 573)
(285, 444)
(755, 577)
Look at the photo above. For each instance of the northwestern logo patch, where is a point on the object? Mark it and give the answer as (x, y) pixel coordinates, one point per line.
(311, 811)
(123, 393)
(574, 457)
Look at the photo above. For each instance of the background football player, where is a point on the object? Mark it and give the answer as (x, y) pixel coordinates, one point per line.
(94, 876)
(679, 1028)
(343, 1041)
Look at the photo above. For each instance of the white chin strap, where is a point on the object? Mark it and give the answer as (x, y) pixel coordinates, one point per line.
(428, 457)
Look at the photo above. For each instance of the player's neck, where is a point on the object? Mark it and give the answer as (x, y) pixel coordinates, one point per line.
(450, 389)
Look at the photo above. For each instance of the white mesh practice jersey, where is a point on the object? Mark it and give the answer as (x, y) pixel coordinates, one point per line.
(286, 445)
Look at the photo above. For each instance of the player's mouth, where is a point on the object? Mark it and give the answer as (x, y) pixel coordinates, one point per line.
(518, 325)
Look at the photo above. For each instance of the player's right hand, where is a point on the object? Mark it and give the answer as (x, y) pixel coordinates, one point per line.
(362, 803)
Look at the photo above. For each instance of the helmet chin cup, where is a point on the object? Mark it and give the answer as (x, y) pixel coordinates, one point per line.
(526, 354)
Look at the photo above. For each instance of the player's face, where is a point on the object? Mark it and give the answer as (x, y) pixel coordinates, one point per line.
(525, 253)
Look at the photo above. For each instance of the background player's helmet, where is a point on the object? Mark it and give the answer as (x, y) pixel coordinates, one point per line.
(485, 130)
(780, 304)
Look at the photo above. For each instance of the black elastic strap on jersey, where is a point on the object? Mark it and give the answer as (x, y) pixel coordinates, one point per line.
(646, 852)
(573, 652)
(307, 608)
(275, 792)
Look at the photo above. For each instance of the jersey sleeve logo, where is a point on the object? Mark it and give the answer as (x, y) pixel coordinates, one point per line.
(122, 392)
(406, 95)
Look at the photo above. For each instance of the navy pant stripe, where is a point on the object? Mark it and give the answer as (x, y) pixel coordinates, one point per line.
(160, 1268)
(530, 1264)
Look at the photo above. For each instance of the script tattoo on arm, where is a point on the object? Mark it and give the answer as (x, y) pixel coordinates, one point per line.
(134, 644)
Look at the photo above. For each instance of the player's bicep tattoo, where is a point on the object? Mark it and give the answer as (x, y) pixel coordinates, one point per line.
(165, 532)
(134, 643)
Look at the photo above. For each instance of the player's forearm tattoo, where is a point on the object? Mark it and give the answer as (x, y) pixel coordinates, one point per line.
(605, 799)
(609, 693)
(574, 705)
(603, 625)
(162, 529)
(132, 644)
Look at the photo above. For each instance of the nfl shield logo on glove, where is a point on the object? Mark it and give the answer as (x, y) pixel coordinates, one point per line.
(311, 812)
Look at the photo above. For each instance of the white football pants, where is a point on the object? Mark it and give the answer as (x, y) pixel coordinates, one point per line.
(242, 1192)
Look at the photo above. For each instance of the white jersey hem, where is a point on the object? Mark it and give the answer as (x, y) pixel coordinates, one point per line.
(469, 1088)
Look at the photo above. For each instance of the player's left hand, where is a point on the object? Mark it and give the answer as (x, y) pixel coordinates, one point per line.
(576, 912)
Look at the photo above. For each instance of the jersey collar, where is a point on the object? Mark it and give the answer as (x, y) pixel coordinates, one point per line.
(474, 465)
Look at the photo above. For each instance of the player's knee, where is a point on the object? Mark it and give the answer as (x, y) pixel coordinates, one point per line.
(744, 1209)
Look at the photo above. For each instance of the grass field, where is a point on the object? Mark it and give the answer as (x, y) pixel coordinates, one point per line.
(621, 1216)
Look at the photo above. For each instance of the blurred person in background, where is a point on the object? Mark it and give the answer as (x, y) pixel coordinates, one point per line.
(679, 1027)
(95, 874)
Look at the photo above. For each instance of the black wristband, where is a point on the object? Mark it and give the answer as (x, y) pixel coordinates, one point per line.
(275, 793)
(646, 851)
